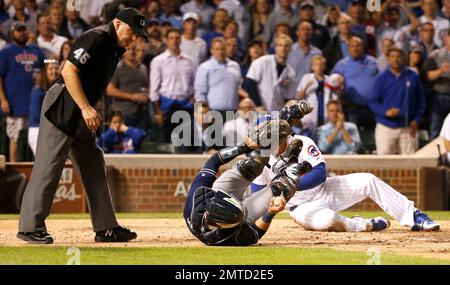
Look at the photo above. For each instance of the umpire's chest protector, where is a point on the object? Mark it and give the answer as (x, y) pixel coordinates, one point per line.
(96, 54)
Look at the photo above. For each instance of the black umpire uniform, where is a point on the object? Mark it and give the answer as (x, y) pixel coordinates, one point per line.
(63, 133)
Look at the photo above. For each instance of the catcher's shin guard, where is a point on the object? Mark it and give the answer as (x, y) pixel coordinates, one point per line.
(253, 165)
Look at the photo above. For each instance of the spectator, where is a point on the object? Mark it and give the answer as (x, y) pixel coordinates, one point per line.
(260, 17)
(426, 33)
(240, 15)
(91, 11)
(171, 13)
(4, 16)
(191, 45)
(254, 51)
(441, 25)
(128, 87)
(438, 73)
(219, 22)
(205, 11)
(359, 71)
(172, 76)
(218, 80)
(302, 51)
(270, 80)
(235, 131)
(445, 134)
(48, 41)
(388, 22)
(17, 63)
(282, 14)
(318, 88)
(155, 44)
(338, 136)
(151, 9)
(231, 48)
(280, 29)
(73, 25)
(398, 102)
(337, 48)
(445, 11)
(65, 49)
(201, 140)
(320, 36)
(382, 62)
(47, 78)
(56, 14)
(119, 138)
(231, 31)
(19, 16)
(330, 20)
(356, 12)
(416, 63)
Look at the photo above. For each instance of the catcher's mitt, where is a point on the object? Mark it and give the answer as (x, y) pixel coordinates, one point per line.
(268, 132)
(296, 111)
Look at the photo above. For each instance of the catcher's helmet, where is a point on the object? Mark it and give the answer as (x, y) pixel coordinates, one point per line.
(223, 212)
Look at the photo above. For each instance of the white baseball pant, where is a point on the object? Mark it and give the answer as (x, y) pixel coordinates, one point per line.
(341, 192)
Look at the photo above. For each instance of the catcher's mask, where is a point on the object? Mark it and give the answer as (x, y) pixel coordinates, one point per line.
(223, 211)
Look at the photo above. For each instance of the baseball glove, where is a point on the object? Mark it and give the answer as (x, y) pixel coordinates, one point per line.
(268, 131)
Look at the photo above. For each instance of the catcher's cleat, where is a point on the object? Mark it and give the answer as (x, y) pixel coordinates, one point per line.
(117, 234)
(38, 237)
(424, 223)
(378, 223)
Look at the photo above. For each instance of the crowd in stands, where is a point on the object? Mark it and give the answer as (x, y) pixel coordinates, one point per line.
(371, 76)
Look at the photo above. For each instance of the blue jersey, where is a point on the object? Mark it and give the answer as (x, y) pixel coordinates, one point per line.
(36, 99)
(16, 68)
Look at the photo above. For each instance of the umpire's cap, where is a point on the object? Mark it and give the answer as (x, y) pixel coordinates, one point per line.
(134, 19)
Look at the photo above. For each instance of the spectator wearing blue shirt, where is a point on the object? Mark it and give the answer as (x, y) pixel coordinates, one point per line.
(220, 21)
(302, 51)
(398, 102)
(338, 136)
(359, 71)
(120, 138)
(45, 80)
(218, 80)
(17, 63)
(356, 11)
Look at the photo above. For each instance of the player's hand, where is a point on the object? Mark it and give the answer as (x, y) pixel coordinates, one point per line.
(392, 112)
(159, 119)
(91, 117)
(274, 209)
(6, 109)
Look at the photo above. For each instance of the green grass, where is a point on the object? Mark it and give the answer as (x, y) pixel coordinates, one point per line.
(437, 215)
(201, 256)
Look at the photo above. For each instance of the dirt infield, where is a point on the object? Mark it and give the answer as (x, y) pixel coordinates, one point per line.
(283, 233)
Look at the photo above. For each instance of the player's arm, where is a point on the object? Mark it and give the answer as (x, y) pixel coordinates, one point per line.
(250, 234)
(75, 89)
(5, 108)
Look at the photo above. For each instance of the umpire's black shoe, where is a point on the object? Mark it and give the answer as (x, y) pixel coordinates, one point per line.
(38, 237)
(117, 234)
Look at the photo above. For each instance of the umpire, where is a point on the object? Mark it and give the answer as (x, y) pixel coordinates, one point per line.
(67, 129)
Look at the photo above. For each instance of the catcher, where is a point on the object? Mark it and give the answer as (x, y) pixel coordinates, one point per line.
(216, 210)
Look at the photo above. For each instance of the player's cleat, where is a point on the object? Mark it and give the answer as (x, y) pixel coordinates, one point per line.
(117, 234)
(424, 223)
(378, 223)
(38, 237)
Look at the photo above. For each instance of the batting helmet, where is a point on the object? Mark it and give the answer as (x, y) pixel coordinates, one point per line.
(224, 211)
